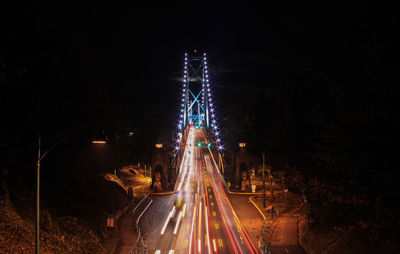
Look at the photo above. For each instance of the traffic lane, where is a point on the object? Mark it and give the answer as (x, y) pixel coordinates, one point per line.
(220, 227)
(238, 236)
(216, 227)
(186, 226)
(153, 221)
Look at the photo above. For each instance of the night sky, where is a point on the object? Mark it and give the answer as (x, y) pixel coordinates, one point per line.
(98, 61)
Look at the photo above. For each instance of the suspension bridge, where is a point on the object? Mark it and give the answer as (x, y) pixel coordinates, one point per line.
(198, 217)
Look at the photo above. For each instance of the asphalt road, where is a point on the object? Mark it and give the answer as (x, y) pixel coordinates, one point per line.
(199, 218)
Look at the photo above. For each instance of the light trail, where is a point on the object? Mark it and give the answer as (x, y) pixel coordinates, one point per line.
(199, 225)
(184, 210)
(208, 233)
(177, 223)
(191, 231)
(215, 246)
(168, 218)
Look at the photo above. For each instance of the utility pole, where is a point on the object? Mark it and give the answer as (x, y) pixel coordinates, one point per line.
(270, 185)
(37, 225)
(263, 175)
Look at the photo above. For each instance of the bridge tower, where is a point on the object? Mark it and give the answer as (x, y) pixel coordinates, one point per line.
(196, 103)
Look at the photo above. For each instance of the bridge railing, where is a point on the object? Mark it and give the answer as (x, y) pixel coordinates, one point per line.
(140, 247)
(265, 239)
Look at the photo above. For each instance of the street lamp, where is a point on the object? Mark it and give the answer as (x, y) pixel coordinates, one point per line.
(40, 158)
(263, 175)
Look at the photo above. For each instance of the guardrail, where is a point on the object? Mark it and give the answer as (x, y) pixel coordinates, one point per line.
(139, 246)
(265, 238)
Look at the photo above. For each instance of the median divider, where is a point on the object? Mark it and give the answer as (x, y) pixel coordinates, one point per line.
(164, 193)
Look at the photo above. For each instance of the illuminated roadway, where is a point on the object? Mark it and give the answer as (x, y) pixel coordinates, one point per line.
(199, 218)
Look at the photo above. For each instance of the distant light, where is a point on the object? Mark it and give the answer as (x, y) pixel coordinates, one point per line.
(158, 146)
(220, 147)
(218, 140)
(99, 142)
(242, 144)
(130, 134)
(195, 50)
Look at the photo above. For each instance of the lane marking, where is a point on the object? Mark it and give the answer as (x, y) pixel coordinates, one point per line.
(185, 243)
(216, 226)
(212, 203)
(215, 246)
(214, 213)
(220, 243)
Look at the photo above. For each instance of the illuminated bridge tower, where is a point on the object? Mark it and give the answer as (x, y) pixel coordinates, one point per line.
(194, 95)
(196, 102)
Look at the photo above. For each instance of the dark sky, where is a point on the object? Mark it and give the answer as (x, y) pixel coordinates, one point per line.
(123, 61)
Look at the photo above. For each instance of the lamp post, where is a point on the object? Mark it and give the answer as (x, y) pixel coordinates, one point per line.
(40, 158)
(263, 175)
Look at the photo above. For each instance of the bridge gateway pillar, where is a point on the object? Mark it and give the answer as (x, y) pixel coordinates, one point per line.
(159, 168)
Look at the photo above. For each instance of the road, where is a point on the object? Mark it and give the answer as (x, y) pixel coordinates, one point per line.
(200, 217)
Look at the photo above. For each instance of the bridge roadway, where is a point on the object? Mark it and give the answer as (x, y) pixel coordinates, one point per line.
(200, 217)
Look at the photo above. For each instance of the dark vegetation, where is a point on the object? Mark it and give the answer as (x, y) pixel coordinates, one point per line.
(334, 131)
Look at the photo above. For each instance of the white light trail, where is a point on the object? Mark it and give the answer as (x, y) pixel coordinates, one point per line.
(199, 248)
(208, 233)
(168, 218)
(215, 245)
(200, 222)
(184, 210)
(177, 223)
(191, 231)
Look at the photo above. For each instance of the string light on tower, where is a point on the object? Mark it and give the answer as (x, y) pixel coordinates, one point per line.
(208, 91)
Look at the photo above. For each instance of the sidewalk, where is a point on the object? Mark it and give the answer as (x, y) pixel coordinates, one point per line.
(127, 232)
(285, 235)
(249, 217)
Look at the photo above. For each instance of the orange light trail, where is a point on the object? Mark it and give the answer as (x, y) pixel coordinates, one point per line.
(191, 231)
